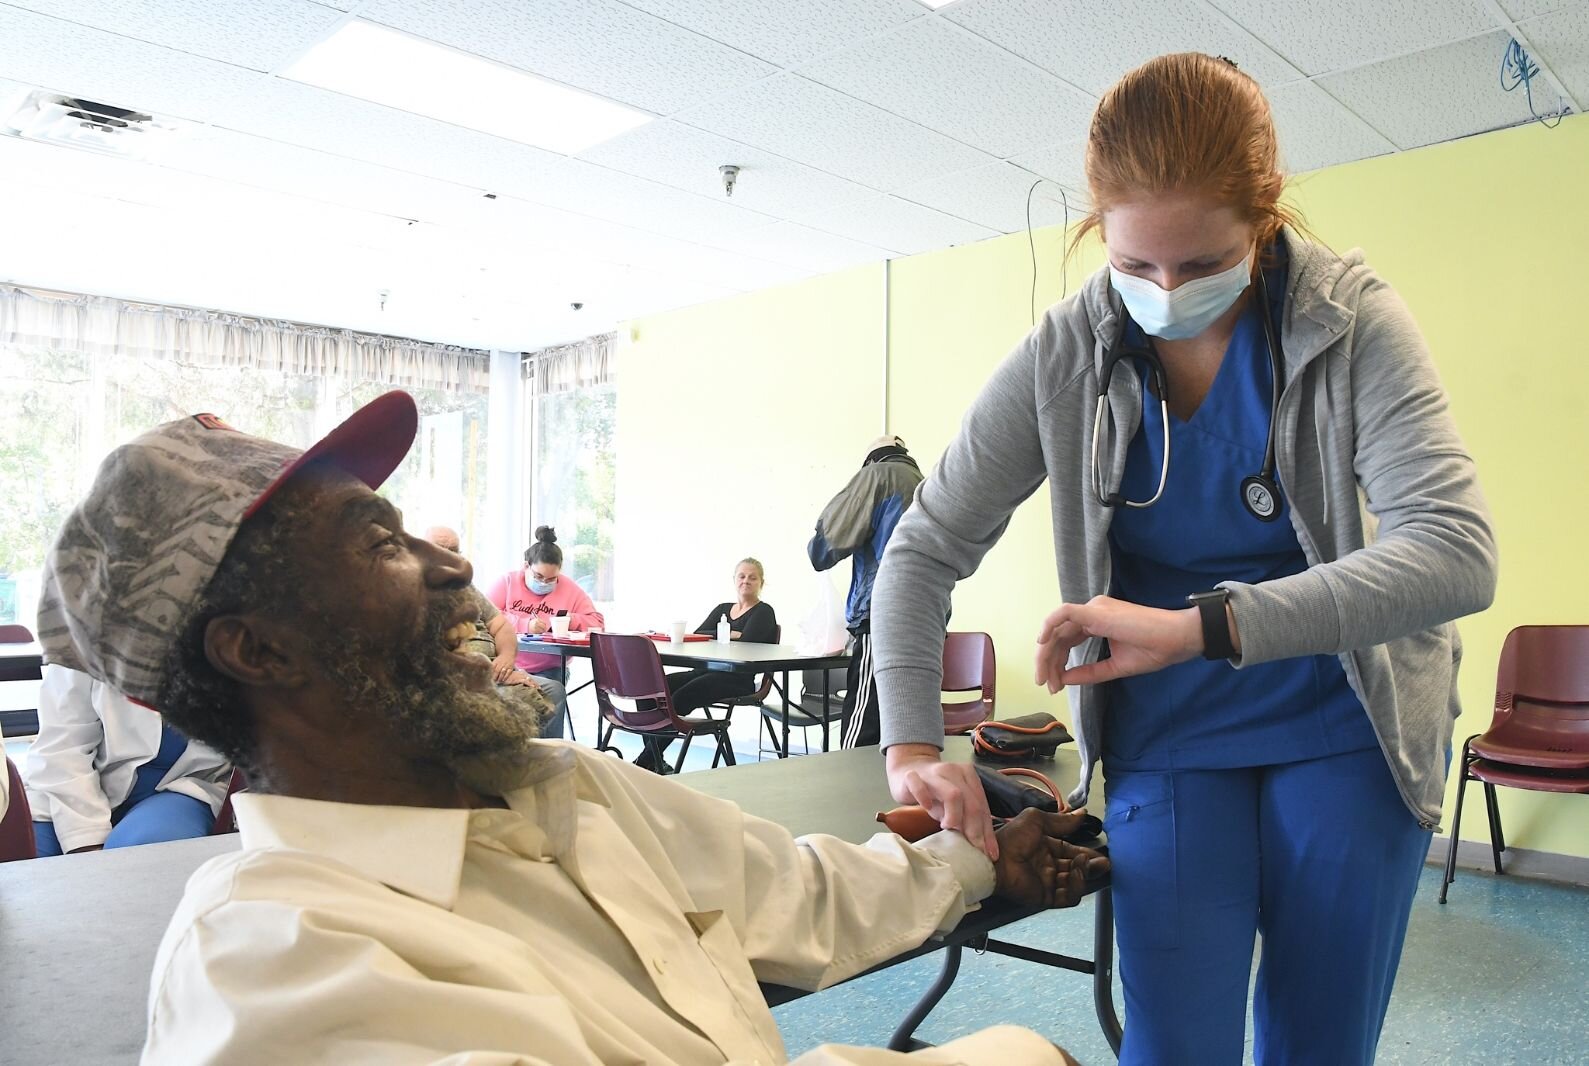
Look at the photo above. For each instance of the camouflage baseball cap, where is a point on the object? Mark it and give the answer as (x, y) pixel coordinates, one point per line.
(134, 557)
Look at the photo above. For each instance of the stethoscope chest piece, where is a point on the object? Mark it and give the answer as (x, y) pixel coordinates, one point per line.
(1261, 497)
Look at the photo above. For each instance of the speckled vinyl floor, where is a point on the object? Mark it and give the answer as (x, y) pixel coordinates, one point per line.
(1499, 975)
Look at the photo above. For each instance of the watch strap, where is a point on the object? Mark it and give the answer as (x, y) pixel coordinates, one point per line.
(1216, 626)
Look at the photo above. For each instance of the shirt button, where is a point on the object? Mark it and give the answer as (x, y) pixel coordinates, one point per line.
(659, 965)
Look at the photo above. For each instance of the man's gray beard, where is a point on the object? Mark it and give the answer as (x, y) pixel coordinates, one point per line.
(483, 736)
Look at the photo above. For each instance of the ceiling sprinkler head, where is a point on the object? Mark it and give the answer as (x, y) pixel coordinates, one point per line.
(382, 295)
(730, 174)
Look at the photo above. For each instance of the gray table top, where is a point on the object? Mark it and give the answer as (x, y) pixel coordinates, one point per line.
(88, 925)
(734, 653)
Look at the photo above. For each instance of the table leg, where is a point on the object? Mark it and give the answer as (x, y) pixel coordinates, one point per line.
(825, 697)
(904, 1037)
(1103, 956)
(785, 753)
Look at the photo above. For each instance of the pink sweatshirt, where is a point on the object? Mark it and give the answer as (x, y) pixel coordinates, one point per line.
(521, 606)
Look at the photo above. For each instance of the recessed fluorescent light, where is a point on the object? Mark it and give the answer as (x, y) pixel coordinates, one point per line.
(936, 4)
(387, 67)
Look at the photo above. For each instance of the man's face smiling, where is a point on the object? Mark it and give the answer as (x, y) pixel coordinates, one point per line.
(385, 623)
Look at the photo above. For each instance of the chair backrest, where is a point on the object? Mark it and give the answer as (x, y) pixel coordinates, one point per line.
(629, 668)
(15, 634)
(968, 665)
(1542, 689)
(764, 690)
(16, 825)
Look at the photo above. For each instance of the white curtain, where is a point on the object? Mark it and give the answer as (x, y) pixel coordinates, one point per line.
(572, 366)
(100, 324)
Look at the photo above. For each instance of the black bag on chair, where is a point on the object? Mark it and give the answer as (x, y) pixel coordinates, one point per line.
(1031, 736)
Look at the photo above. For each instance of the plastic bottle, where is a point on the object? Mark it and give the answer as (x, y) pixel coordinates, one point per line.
(724, 633)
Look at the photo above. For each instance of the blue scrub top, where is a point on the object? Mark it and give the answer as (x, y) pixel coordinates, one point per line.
(1202, 715)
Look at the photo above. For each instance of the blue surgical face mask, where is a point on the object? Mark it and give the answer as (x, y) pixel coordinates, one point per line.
(1183, 312)
(539, 587)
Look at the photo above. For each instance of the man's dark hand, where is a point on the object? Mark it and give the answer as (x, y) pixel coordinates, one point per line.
(1036, 867)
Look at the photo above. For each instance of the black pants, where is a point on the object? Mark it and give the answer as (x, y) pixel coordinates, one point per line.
(691, 690)
(694, 689)
(862, 727)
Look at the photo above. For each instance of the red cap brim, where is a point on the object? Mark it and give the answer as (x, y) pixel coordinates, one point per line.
(369, 444)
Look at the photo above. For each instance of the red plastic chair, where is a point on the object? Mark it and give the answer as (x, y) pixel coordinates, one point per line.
(16, 826)
(1539, 736)
(968, 665)
(628, 668)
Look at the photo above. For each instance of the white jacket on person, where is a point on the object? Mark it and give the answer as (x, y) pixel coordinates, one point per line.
(91, 742)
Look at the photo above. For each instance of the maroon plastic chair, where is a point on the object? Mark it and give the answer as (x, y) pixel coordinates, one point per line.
(754, 699)
(225, 819)
(968, 665)
(629, 669)
(16, 827)
(1539, 735)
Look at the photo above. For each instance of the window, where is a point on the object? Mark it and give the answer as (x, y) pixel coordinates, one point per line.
(574, 481)
(63, 411)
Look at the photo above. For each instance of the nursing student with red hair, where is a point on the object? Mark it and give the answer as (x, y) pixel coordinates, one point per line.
(1264, 525)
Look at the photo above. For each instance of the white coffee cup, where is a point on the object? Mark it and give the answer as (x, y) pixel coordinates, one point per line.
(560, 625)
(676, 632)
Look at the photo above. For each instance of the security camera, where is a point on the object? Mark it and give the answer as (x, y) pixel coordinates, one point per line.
(575, 306)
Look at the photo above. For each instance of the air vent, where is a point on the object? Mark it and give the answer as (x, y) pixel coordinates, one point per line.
(78, 123)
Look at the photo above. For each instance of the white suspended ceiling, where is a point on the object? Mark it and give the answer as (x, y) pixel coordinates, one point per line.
(864, 129)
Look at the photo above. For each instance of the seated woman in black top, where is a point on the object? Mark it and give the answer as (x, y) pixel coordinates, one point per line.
(748, 619)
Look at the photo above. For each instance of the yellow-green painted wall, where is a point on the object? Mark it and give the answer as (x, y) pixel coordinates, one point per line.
(1483, 237)
(737, 421)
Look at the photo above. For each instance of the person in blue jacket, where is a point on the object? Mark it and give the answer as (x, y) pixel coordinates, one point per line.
(856, 525)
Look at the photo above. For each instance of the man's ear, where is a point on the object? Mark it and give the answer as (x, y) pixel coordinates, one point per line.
(254, 651)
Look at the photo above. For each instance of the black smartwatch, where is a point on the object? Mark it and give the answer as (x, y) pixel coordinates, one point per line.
(1216, 627)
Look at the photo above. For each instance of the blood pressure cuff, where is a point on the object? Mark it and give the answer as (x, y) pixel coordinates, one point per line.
(1031, 736)
(1009, 792)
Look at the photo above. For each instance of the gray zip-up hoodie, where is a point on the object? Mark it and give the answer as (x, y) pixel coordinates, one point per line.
(1384, 500)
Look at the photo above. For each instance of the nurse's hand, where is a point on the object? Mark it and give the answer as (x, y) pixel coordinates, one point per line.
(951, 792)
(1141, 640)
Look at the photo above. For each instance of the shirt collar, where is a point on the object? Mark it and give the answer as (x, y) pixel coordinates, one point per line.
(419, 851)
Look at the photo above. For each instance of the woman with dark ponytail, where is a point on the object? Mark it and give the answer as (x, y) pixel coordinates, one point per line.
(531, 597)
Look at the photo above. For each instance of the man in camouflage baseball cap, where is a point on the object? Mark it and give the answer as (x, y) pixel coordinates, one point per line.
(203, 567)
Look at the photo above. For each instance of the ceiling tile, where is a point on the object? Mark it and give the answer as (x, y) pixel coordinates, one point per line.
(258, 34)
(1091, 44)
(1320, 38)
(342, 125)
(900, 226)
(1434, 95)
(1316, 131)
(240, 157)
(794, 117)
(80, 61)
(1064, 163)
(789, 242)
(688, 158)
(588, 189)
(601, 46)
(785, 32)
(996, 197)
(1562, 41)
(955, 82)
(1527, 9)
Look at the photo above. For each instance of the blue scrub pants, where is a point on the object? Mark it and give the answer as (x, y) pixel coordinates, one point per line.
(1321, 858)
(146, 816)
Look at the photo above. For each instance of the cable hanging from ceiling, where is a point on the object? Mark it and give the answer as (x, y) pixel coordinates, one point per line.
(1519, 68)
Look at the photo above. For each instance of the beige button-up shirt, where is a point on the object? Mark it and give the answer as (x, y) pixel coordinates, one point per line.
(608, 915)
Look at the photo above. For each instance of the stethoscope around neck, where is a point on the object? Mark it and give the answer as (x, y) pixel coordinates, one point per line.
(1260, 494)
